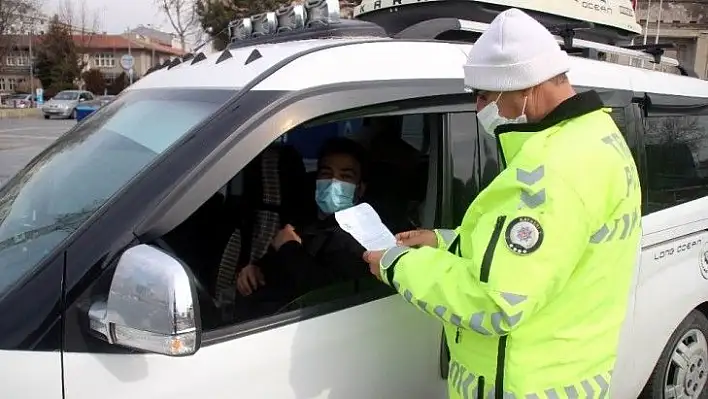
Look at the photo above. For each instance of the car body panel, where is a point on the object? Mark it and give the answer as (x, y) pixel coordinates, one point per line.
(323, 357)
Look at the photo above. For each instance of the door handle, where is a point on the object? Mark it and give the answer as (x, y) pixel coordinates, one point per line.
(444, 357)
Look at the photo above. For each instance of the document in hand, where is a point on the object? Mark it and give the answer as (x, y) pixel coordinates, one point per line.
(365, 225)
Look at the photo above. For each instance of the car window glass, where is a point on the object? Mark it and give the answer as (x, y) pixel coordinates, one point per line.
(465, 143)
(677, 158)
(66, 95)
(240, 230)
(51, 197)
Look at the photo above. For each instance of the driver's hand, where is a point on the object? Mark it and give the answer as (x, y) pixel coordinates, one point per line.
(249, 279)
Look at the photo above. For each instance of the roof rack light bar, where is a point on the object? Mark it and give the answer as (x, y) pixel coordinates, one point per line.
(290, 18)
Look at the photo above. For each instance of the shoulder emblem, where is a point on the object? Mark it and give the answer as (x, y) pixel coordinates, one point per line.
(524, 235)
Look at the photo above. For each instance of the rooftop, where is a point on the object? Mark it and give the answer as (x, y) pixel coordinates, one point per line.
(96, 42)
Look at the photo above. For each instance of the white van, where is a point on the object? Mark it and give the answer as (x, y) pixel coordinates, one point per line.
(115, 241)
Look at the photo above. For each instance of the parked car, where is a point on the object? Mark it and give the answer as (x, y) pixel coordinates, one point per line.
(64, 103)
(86, 108)
(20, 100)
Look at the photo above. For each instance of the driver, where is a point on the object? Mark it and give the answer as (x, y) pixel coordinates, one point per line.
(321, 253)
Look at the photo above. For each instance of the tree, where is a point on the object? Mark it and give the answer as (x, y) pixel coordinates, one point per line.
(182, 16)
(16, 18)
(215, 15)
(83, 24)
(94, 81)
(56, 59)
(120, 83)
(674, 130)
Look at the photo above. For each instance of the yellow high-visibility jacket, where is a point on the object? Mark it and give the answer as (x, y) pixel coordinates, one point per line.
(533, 286)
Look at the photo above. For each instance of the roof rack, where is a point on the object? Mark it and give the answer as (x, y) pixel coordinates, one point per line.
(316, 19)
(657, 49)
(610, 27)
(436, 28)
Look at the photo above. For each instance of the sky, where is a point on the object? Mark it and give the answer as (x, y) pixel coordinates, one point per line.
(115, 16)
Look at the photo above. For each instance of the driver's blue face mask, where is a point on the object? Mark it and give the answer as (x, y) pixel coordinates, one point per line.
(334, 195)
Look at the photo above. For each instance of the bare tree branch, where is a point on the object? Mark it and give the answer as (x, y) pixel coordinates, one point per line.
(83, 23)
(182, 16)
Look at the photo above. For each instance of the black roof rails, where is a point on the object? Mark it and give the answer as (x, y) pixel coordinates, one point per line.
(687, 71)
(430, 29)
(343, 28)
(567, 31)
(455, 29)
(657, 49)
(396, 19)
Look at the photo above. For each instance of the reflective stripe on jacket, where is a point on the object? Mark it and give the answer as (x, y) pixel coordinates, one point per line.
(532, 287)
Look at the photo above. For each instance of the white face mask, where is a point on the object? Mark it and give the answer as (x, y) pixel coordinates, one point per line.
(490, 118)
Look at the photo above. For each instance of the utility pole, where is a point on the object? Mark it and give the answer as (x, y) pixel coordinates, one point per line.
(646, 23)
(130, 53)
(31, 67)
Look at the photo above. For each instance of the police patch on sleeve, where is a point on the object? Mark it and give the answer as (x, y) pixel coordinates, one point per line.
(524, 235)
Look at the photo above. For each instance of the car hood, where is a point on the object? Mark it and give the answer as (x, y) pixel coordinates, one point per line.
(61, 102)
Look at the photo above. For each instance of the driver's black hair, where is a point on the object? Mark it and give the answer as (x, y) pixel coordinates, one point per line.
(345, 146)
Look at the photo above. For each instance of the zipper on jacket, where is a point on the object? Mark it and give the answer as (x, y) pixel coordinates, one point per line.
(457, 336)
(501, 359)
(480, 387)
(489, 252)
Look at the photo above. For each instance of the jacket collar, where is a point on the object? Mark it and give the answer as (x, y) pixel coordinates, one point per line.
(511, 137)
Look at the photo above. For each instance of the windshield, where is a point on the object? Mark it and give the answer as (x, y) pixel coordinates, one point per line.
(52, 196)
(66, 95)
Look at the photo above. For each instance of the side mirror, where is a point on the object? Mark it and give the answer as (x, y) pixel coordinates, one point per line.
(152, 305)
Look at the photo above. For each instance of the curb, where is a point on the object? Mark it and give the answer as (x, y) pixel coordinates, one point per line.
(20, 113)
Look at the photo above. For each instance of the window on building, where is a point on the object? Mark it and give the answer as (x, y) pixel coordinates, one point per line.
(677, 159)
(12, 83)
(104, 60)
(17, 59)
(3, 85)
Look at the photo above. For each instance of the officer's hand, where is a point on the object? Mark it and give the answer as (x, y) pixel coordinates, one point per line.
(287, 234)
(373, 258)
(249, 279)
(417, 238)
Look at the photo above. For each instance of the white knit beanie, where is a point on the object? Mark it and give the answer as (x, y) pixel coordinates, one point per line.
(516, 52)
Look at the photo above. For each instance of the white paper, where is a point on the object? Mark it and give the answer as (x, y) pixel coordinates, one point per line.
(364, 224)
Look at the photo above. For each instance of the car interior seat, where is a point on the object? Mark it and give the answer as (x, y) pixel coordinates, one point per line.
(275, 193)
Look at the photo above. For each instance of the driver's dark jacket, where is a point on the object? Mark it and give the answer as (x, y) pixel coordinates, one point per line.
(326, 256)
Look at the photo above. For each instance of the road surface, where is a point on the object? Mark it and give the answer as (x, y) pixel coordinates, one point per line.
(22, 139)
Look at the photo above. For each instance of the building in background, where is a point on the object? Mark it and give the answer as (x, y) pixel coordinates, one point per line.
(683, 22)
(100, 51)
(157, 36)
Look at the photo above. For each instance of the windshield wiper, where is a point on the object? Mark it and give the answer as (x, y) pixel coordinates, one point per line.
(69, 221)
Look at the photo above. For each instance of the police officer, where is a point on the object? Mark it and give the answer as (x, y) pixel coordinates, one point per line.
(533, 286)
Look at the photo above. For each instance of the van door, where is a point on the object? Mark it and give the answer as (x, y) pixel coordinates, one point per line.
(356, 340)
(30, 326)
